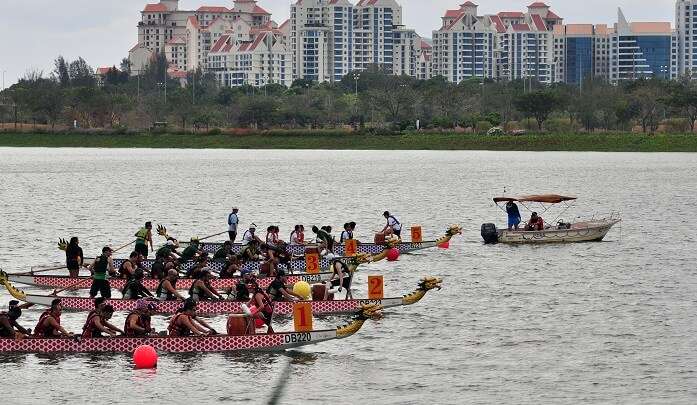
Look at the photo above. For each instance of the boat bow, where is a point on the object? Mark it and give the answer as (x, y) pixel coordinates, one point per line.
(368, 311)
(427, 284)
(15, 292)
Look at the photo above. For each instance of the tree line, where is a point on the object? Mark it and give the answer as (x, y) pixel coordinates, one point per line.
(371, 99)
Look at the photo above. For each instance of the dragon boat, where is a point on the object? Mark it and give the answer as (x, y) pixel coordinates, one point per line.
(582, 230)
(81, 283)
(368, 248)
(205, 308)
(194, 344)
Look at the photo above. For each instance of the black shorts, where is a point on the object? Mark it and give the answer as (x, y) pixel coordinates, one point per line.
(142, 249)
(102, 287)
(347, 283)
(233, 235)
(398, 233)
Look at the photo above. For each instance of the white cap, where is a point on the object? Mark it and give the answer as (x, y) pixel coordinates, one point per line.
(253, 225)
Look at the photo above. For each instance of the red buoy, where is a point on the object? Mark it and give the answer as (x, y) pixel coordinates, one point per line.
(444, 245)
(392, 254)
(145, 356)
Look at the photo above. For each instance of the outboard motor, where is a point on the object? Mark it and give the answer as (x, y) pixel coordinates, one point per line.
(489, 233)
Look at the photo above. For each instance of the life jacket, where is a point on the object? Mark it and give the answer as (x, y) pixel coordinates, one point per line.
(122, 269)
(89, 330)
(246, 239)
(4, 332)
(43, 329)
(196, 293)
(396, 223)
(141, 235)
(161, 292)
(100, 267)
(349, 235)
(143, 321)
(175, 330)
(131, 290)
(274, 293)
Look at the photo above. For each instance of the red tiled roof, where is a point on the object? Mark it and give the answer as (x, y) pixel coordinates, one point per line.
(103, 70)
(552, 16)
(539, 24)
(520, 27)
(259, 10)
(467, 3)
(155, 8)
(538, 4)
(500, 27)
(511, 14)
(194, 21)
(452, 13)
(212, 9)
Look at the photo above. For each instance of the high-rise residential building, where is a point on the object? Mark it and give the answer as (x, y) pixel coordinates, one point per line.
(262, 58)
(465, 46)
(321, 39)
(509, 45)
(186, 36)
(374, 24)
(641, 50)
(411, 55)
(686, 37)
(581, 51)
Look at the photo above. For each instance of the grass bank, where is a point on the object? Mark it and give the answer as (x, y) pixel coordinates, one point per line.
(610, 142)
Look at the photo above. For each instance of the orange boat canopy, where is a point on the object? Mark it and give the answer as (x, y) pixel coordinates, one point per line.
(541, 198)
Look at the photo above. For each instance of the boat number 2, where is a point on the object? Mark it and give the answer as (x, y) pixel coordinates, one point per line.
(375, 287)
(297, 337)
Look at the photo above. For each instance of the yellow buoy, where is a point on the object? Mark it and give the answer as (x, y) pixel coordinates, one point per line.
(302, 288)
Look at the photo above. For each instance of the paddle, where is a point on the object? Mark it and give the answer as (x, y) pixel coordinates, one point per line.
(124, 246)
(211, 236)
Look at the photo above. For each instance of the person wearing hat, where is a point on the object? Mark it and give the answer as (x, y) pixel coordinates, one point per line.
(138, 321)
(249, 235)
(393, 226)
(277, 289)
(49, 324)
(134, 288)
(9, 328)
(100, 267)
(232, 221)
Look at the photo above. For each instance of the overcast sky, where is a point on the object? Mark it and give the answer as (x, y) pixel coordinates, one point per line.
(34, 32)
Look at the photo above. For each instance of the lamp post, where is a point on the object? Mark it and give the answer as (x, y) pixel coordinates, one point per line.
(356, 76)
(3, 79)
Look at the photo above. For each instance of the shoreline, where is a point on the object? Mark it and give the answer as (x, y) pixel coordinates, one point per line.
(339, 140)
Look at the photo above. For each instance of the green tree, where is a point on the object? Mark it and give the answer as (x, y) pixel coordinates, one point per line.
(538, 104)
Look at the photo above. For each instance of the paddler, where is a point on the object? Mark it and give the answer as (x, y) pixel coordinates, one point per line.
(297, 237)
(185, 322)
(347, 233)
(100, 267)
(341, 278)
(260, 305)
(49, 324)
(169, 249)
(250, 251)
(277, 289)
(134, 288)
(202, 290)
(200, 265)
(393, 226)
(143, 238)
(325, 240)
(138, 321)
(9, 328)
(191, 251)
(98, 323)
(129, 266)
(244, 286)
(249, 235)
(74, 258)
(167, 289)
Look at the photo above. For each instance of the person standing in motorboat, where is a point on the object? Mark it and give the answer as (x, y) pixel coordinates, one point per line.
(513, 215)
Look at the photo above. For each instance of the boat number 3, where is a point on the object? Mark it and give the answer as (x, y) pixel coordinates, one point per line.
(312, 263)
(297, 337)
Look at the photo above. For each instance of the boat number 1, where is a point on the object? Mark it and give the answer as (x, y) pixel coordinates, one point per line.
(375, 288)
(302, 316)
(312, 263)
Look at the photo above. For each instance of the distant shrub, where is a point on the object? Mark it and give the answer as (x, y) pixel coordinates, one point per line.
(215, 131)
(483, 126)
(675, 125)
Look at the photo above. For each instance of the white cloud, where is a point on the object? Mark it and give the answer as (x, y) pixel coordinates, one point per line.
(35, 32)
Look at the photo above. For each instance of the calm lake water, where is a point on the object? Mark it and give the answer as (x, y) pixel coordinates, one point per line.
(609, 322)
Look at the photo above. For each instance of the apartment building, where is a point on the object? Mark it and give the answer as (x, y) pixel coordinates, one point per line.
(164, 26)
(465, 46)
(686, 37)
(412, 54)
(262, 58)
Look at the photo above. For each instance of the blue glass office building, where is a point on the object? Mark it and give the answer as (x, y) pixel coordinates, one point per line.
(579, 57)
(644, 56)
